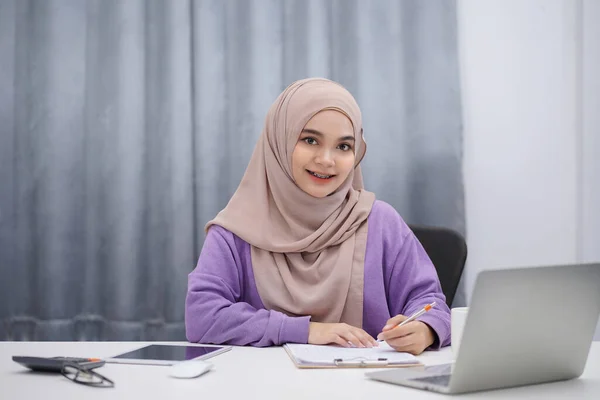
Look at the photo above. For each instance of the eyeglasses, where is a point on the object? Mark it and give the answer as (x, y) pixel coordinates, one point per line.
(88, 377)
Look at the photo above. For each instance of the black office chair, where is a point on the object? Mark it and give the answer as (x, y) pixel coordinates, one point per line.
(448, 252)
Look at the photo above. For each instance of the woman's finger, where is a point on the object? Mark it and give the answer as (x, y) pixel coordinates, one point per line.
(366, 339)
(400, 331)
(337, 339)
(403, 343)
(352, 338)
(392, 322)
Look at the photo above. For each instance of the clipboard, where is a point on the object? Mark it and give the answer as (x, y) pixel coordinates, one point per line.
(306, 356)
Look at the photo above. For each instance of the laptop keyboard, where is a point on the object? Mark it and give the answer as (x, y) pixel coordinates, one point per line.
(441, 380)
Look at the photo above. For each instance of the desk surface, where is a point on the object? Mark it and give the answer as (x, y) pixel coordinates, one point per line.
(244, 373)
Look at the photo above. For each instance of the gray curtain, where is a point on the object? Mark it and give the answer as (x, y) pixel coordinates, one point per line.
(126, 125)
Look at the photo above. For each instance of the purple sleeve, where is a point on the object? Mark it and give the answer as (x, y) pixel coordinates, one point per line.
(214, 312)
(414, 283)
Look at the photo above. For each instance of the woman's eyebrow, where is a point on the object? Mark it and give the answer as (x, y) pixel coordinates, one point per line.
(313, 131)
(320, 134)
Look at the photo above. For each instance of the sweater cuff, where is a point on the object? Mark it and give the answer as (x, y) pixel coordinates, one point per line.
(294, 330)
(441, 331)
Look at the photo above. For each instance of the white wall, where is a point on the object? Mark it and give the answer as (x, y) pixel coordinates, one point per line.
(525, 177)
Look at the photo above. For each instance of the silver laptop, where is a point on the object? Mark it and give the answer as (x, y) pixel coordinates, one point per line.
(525, 326)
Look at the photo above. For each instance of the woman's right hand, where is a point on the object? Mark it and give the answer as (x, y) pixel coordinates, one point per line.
(340, 333)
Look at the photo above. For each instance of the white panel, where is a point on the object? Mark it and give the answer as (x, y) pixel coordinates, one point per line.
(591, 135)
(518, 72)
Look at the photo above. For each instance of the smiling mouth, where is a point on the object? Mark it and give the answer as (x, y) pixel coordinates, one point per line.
(320, 176)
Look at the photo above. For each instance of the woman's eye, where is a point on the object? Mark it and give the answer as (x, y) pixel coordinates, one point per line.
(345, 147)
(310, 140)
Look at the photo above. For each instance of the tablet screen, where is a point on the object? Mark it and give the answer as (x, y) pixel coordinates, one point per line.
(167, 353)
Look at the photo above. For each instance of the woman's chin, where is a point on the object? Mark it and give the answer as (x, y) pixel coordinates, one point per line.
(320, 192)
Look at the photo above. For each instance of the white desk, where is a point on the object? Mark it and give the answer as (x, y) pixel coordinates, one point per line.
(244, 373)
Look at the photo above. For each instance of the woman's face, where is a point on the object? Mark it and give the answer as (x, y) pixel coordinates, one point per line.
(324, 154)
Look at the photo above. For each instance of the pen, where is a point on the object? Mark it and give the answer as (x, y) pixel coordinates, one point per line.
(414, 316)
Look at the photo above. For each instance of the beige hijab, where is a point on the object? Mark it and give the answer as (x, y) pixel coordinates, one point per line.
(307, 253)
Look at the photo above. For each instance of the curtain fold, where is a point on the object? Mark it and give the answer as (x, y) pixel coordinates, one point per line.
(126, 125)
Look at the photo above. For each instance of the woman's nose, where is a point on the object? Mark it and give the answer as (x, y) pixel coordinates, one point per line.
(325, 159)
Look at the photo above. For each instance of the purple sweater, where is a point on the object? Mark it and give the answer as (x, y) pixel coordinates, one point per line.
(223, 305)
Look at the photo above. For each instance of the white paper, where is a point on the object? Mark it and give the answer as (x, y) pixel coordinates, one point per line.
(316, 354)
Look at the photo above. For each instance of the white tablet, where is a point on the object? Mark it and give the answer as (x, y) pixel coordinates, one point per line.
(163, 354)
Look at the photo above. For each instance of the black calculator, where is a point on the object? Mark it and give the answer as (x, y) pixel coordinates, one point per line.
(55, 364)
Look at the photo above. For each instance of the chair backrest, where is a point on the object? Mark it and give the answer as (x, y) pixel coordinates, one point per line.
(447, 250)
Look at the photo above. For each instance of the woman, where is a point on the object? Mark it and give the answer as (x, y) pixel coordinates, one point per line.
(302, 253)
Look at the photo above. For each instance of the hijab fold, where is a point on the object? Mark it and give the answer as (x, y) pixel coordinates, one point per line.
(307, 253)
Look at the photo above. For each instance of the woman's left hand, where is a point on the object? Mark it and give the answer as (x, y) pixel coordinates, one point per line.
(413, 337)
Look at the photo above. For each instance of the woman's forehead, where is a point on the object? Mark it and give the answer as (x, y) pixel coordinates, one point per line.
(331, 121)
